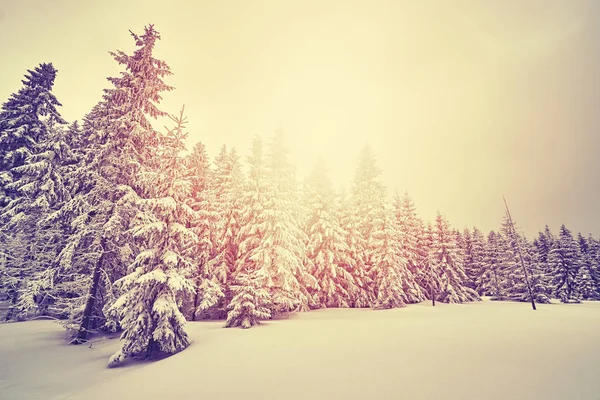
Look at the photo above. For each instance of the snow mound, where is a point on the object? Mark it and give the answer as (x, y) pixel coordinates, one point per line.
(483, 350)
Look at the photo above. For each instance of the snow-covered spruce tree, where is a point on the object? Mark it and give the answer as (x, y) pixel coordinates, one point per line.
(350, 223)
(564, 261)
(24, 121)
(586, 284)
(286, 202)
(31, 151)
(475, 256)
(210, 276)
(367, 197)
(148, 310)
(394, 283)
(449, 270)
(120, 141)
(327, 248)
(467, 252)
(408, 226)
(40, 191)
(228, 185)
(488, 282)
(507, 269)
(538, 280)
(594, 256)
(425, 264)
(269, 258)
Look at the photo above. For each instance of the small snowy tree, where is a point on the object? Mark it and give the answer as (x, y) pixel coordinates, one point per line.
(586, 284)
(564, 260)
(449, 268)
(488, 282)
(394, 283)
(475, 256)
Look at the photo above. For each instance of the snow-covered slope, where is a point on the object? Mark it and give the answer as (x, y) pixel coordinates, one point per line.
(482, 350)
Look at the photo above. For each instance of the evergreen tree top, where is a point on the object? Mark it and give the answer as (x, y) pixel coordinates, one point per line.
(140, 85)
(33, 100)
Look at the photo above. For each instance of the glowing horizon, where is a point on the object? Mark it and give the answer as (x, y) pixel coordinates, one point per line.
(455, 100)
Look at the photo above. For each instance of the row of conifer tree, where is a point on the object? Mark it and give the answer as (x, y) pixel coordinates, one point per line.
(110, 224)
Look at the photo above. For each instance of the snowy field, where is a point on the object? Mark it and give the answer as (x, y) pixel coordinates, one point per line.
(482, 350)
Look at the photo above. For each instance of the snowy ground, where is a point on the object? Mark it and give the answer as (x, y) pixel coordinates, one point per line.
(481, 350)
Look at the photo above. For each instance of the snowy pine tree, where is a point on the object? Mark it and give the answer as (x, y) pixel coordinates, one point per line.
(586, 284)
(367, 197)
(564, 261)
(148, 310)
(40, 191)
(448, 266)
(394, 283)
(408, 225)
(228, 185)
(327, 248)
(120, 142)
(285, 201)
(211, 275)
(31, 153)
(488, 283)
(269, 257)
(24, 121)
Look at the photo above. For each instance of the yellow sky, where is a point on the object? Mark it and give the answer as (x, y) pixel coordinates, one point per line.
(462, 101)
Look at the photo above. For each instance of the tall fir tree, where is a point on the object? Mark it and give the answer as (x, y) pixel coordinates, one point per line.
(228, 185)
(210, 276)
(367, 197)
(31, 153)
(285, 202)
(121, 141)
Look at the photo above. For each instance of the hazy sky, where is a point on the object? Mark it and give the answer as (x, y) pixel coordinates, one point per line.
(462, 101)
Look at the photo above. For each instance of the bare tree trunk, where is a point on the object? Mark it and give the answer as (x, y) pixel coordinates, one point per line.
(432, 293)
(82, 334)
(520, 256)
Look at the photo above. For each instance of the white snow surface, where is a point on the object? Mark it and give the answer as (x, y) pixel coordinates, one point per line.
(483, 350)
